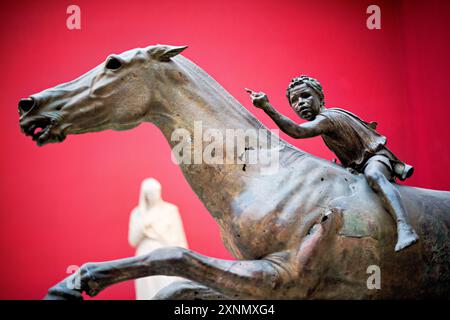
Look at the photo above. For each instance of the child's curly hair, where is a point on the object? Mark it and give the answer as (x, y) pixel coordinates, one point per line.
(310, 82)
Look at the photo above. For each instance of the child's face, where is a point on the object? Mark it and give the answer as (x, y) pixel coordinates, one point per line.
(305, 102)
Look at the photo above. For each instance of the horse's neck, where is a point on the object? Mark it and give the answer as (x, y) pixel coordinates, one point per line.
(202, 102)
(203, 99)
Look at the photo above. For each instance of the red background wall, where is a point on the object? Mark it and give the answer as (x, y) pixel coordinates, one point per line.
(69, 203)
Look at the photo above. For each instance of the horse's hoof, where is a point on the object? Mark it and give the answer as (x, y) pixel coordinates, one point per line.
(61, 292)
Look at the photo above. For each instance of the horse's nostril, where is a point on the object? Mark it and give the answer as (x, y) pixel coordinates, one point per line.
(26, 105)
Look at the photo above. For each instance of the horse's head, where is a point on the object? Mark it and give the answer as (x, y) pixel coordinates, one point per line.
(117, 94)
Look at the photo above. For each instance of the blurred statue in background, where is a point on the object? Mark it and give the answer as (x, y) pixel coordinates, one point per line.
(154, 223)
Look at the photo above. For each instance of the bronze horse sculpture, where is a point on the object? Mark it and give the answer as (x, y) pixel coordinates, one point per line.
(308, 231)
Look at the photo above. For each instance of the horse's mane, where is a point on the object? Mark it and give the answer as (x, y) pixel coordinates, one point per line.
(214, 85)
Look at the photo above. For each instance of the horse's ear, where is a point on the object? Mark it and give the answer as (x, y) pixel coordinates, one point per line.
(165, 53)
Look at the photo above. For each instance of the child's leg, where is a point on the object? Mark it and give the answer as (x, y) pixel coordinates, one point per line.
(377, 175)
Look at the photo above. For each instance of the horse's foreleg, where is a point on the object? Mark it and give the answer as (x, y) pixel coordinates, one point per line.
(235, 279)
(241, 279)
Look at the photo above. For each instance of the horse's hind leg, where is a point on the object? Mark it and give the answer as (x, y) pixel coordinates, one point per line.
(241, 279)
(188, 290)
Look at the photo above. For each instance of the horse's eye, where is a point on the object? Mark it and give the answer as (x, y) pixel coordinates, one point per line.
(113, 63)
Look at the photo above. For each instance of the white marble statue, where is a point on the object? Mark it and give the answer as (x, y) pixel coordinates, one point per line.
(154, 223)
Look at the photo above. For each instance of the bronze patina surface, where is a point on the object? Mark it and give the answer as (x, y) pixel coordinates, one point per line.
(355, 142)
(310, 231)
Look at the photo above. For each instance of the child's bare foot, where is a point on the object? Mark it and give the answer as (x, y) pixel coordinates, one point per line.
(406, 236)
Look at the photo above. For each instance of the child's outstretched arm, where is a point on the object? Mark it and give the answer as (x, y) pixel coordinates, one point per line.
(306, 130)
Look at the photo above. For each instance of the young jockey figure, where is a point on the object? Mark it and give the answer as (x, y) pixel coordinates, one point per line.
(355, 142)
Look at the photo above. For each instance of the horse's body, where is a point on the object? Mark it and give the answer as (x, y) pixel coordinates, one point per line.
(310, 229)
(365, 235)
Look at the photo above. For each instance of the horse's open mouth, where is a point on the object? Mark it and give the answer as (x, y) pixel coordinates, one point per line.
(42, 130)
